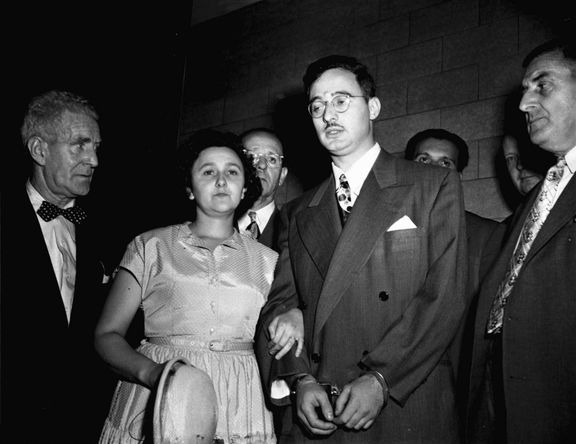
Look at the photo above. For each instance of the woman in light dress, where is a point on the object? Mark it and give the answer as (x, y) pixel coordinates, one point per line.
(201, 286)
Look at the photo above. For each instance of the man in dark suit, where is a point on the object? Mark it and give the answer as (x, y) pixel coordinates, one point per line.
(54, 388)
(265, 150)
(379, 274)
(522, 383)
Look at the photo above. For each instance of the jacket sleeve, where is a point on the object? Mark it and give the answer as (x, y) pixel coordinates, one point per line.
(283, 297)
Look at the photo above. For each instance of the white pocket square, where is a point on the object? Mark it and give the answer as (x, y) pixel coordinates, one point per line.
(404, 223)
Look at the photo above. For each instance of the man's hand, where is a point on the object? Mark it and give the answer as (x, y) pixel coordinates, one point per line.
(285, 330)
(310, 399)
(359, 403)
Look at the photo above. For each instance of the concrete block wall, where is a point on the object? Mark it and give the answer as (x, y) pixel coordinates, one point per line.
(447, 64)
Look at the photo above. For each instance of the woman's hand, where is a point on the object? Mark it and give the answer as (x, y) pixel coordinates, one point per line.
(153, 375)
(285, 330)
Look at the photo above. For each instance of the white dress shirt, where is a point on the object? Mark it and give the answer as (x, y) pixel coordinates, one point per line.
(569, 169)
(262, 217)
(358, 173)
(60, 237)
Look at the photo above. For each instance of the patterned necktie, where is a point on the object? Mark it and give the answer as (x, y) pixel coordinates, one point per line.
(48, 211)
(253, 225)
(532, 224)
(344, 196)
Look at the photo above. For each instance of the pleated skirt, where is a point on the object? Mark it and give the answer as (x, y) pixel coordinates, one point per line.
(242, 414)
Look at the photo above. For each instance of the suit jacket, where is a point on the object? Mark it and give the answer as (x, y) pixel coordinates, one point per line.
(377, 299)
(538, 338)
(269, 235)
(484, 240)
(54, 388)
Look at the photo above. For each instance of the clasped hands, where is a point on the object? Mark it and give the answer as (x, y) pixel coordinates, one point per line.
(358, 405)
(285, 330)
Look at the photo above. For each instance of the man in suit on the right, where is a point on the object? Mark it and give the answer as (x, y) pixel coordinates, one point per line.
(523, 376)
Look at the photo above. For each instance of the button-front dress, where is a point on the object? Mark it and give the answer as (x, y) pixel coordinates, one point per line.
(196, 303)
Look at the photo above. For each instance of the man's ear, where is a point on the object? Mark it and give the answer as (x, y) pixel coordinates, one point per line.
(189, 193)
(374, 107)
(283, 175)
(38, 149)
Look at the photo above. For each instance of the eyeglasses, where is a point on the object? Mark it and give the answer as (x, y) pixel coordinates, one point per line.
(272, 160)
(340, 102)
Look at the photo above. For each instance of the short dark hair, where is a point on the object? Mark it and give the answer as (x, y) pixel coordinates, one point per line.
(44, 114)
(440, 134)
(363, 77)
(565, 46)
(190, 150)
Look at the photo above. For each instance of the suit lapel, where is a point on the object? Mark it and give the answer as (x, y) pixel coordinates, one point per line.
(564, 209)
(377, 207)
(267, 235)
(45, 285)
(319, 225)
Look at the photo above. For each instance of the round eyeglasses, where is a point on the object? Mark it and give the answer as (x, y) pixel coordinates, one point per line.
(340, 102)
(272, 160)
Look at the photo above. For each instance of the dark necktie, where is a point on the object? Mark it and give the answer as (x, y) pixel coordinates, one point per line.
(253, 225)
(535, 220)
(343, 194)
(48, 211)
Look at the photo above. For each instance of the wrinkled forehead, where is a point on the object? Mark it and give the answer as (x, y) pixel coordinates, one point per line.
(334, 81)
(74, 125)
(548, 64)
(263, 143)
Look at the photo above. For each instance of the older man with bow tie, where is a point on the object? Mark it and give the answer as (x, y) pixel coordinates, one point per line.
(54, 388)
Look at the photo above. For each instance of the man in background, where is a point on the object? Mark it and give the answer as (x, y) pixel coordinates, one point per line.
(264, 149)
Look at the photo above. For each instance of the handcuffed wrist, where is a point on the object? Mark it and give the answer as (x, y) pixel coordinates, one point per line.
(304, 378)
(380, 378)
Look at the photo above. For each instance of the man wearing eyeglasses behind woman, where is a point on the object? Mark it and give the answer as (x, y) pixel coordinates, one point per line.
(264, 149)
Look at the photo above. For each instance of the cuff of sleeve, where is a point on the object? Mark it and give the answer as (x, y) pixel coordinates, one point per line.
(382, 381)
(279, 389)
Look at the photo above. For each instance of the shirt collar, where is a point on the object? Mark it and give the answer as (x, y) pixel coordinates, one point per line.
(358, 172)
(186, 235)
(570, 158)
(262, 216)
(36, 198)
(264, 213)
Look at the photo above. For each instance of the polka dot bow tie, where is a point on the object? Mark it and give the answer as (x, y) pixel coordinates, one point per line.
(48, 211)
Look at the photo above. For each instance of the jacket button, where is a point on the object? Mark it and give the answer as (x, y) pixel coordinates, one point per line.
(303, 306)
(383, 296)
(316, 357)
(365, 352)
